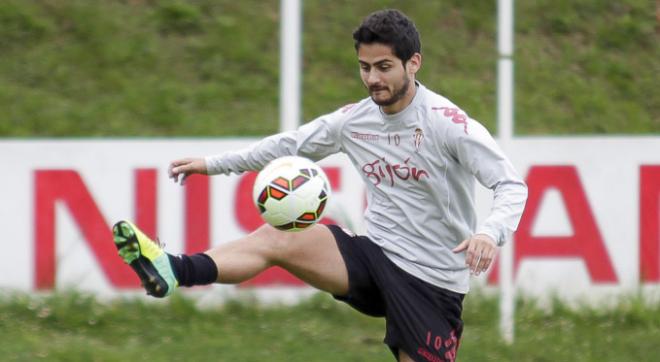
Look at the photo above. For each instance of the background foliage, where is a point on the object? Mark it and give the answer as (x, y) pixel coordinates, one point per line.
(152, 68)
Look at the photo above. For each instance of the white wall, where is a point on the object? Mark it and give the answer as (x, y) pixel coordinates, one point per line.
(596, 249)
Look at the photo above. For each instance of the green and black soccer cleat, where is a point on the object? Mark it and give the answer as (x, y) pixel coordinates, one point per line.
(147, 259)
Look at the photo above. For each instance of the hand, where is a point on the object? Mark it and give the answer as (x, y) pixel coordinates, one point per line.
(186, 167)
(481, 250)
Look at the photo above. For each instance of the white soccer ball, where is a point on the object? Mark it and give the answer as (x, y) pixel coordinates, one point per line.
(291, 193)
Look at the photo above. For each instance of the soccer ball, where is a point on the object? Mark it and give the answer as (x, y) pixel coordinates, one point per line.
(291, 193)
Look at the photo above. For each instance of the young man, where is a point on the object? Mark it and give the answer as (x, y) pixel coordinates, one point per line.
(419, 155)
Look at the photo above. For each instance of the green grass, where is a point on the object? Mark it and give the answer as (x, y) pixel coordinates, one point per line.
(75, 327)
(211, 67)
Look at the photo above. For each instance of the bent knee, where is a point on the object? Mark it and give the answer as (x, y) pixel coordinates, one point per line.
(283, 247)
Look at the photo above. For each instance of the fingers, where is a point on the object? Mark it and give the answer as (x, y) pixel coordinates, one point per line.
(180, 169)
(171, 169)
(171, 174)
(177, 164)
(184, 178)
(462, 246)
(480, 253)
(471, 257)
(485, 260)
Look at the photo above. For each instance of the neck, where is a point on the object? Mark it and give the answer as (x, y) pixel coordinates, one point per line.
(402, 103)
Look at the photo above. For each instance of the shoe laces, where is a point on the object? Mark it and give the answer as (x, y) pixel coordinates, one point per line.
(159, 243)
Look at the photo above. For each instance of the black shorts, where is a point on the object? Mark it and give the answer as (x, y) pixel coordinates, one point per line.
(422, 319)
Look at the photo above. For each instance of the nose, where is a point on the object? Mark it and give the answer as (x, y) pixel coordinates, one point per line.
(373, 78)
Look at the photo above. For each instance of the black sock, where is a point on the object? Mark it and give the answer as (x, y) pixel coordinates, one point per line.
(196, 269)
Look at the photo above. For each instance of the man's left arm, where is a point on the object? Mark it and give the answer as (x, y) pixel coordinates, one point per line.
(477, 151)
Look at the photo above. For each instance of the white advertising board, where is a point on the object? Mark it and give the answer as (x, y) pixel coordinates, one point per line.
(591, 225)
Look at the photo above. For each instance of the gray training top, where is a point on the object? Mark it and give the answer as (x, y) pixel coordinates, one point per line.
(419, 166)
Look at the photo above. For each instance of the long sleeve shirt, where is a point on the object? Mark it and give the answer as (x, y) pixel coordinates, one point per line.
(419, 167)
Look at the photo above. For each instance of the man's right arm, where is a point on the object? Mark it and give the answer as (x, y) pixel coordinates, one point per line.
(314, 140)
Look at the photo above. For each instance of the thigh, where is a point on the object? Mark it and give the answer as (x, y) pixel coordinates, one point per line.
(313, 256)
(423, 320)
(362, 258)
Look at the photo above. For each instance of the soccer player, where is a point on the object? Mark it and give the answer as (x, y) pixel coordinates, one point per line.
(419, 155)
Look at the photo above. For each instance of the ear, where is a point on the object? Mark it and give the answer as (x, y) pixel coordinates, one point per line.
(414, 63)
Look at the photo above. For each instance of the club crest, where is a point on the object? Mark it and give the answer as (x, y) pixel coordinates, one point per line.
(418, 137)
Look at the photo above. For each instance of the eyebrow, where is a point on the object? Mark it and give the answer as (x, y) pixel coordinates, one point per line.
(378, 63)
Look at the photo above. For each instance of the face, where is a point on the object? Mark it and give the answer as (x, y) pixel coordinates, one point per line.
(386, 79)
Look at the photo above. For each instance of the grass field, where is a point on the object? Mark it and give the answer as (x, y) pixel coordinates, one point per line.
(75, 327)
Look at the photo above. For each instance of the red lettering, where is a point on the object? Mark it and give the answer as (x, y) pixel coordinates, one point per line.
(586, 242)
(197, 215)
(438, 342)
(146, 200)
(456, 116)
(376, 173)
(249, 220)
(66, 186)
(649, 220)
(247, 216)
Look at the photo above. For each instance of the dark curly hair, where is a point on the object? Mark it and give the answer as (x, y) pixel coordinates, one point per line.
(390, 27)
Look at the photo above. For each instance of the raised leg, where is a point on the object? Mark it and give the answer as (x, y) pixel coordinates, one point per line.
(311, 255)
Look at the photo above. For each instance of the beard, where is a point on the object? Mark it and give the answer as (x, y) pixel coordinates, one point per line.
(397, 93)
